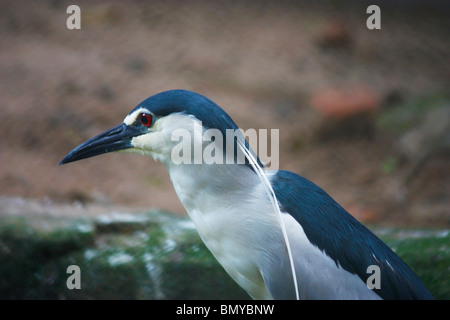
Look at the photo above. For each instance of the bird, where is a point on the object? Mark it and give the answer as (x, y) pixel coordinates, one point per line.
(277, 234)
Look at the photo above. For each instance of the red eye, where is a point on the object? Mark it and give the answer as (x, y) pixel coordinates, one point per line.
(146, 119)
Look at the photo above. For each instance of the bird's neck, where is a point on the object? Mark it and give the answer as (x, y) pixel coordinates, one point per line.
(200, 186)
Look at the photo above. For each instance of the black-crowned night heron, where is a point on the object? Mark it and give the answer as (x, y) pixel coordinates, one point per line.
(277, 234)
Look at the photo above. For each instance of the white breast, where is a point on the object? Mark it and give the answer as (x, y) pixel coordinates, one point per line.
(236, 221)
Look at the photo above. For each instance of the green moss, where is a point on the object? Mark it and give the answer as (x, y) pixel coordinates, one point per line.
(163, 258)
(428, 256)
(30, 255)
(206, 280)
(111, 273)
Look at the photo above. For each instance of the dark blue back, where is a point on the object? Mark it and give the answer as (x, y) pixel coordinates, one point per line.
(351, 245)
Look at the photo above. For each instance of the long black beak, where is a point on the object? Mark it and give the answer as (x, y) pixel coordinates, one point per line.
(114, 139)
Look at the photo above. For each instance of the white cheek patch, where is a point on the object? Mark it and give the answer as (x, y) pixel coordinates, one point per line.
(152, 141)
(158, 141)
(131, 118)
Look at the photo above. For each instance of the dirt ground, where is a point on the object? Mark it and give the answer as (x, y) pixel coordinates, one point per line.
(266, 63)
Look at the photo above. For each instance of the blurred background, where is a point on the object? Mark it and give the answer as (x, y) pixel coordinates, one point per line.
(365, 114)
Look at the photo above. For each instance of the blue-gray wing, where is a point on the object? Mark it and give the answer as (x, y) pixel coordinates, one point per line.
(339, 235)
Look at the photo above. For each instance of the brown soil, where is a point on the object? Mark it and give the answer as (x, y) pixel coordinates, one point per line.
(262, 62)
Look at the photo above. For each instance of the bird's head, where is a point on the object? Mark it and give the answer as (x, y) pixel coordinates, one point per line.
(165, 125)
